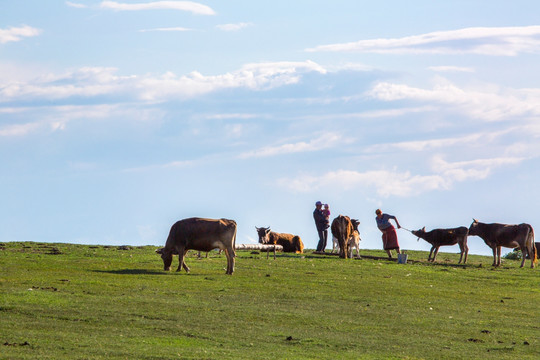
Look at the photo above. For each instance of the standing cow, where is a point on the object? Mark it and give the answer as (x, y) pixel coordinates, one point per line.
(443, 237)
(342, 229)
(201, 235)
(497, 235)
(290, 242)
(354, 240)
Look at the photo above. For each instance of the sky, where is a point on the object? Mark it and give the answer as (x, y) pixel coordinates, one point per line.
(118, 118)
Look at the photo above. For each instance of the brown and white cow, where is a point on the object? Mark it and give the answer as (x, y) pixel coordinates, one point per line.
(354, 240)
(201, 235)
(443, 237)
(290, 242)
(497, 235)
(342, 229)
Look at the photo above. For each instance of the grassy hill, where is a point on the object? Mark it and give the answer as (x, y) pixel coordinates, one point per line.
(63, 301)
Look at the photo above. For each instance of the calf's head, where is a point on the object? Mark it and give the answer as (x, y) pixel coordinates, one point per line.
(263, 234)
(419, 233)
(355, 223)
(167, 257)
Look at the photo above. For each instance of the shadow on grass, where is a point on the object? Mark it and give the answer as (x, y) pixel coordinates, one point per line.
(132, 272)
(149, 272)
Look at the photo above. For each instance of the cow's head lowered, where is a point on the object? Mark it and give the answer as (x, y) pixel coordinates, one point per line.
(167, 256)
(355, 223)
(263, 234)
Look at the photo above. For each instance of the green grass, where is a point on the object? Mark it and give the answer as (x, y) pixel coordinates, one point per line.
(63, 301)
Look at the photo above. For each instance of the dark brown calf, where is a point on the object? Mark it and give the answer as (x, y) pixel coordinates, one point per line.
(445, 237)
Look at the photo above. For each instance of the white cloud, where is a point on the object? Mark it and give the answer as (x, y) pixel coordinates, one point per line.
(432, 144)
(474, 169)
(490, 103)
(84, 82)
(386, 183)
(261, 76)
(325, 141)
(233, 116)
(169, 29)
(13, 34)
(451, 69)
(56, 118)
(18, 129)
(76, 5)
(190, 6)
(497, 41)
(402, 184)
(95, 81)
(234, 27)
(169, 165)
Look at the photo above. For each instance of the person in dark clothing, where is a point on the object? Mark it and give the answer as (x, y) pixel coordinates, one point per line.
(322, 226)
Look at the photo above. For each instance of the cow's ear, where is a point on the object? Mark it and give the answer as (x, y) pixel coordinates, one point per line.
(475, 221)
(424, 229)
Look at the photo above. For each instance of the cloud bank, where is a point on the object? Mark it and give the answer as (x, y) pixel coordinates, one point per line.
(401, 183)
(495, 41)
(190, 6)
(91, 82)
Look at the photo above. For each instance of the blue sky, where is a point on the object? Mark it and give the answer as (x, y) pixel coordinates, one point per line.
(118, 118)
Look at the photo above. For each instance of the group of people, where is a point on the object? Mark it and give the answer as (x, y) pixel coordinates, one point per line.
(389, 236)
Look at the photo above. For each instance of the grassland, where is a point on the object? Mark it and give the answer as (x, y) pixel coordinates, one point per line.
(63, 301)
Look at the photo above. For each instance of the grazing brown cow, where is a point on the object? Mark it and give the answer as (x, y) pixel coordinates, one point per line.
(497, 235)
(443, 237)
(290, 242)
(354, 240)
(342, 229)
(201, 235)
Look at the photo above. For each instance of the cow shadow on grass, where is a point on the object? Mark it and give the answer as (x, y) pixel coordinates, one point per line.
(132, 272)
(148, 272)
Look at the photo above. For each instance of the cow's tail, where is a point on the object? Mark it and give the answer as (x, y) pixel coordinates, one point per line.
(234, 240)
(531, 246)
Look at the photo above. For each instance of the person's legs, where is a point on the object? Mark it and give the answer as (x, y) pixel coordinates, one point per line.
(325, 238)
(321, 240)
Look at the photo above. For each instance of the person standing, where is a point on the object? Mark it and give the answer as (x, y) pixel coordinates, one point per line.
(389, 235)
(322, 226)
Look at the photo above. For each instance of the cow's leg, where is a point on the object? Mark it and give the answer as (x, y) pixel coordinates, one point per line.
(181, 263)
(430, 253)
(499, 248)
(230, 254)
(524, 252)
(494, 256)
(435, 254)
(464, 251)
